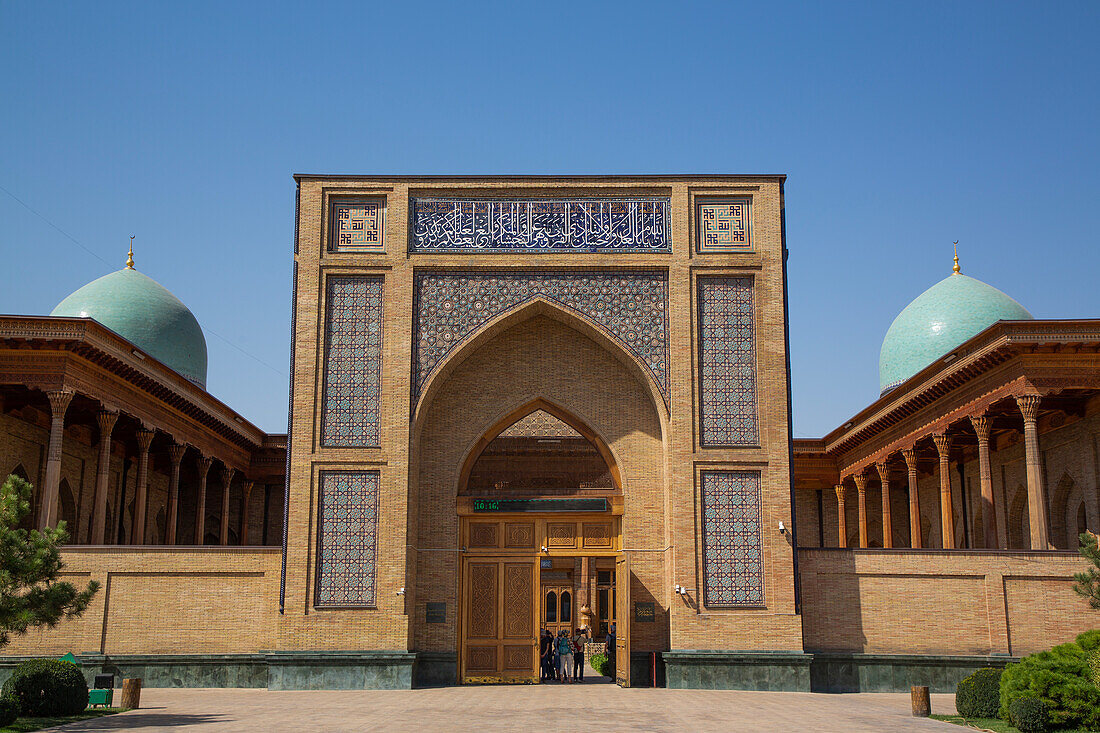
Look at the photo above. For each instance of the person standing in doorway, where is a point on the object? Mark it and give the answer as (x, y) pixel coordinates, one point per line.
(565, 653)
(579, 640)
(546, 655)
(609, 647)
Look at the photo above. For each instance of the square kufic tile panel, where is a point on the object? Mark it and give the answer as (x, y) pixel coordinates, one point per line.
(733, 561)
(358, 225)
(724, 226)
(514, 226)
(353, 362)
(347, 539)
(727, 362)
(630, 306)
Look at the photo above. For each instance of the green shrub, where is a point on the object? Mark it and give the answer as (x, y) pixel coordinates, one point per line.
(601, 664)
(1060, 678)
(1094, 666)
(1089, 641)
(1030, 715)
(9, 711)
(979, 695)
(45, 687)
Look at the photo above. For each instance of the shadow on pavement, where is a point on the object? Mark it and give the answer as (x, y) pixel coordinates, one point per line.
(137, 719)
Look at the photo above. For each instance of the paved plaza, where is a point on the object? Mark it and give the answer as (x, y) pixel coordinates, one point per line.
(601, 707)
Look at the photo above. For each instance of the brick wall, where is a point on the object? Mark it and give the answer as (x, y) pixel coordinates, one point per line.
(940, 602)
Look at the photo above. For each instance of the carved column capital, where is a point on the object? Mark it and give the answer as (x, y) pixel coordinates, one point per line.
(246, 487)
(227, 475)
(910, 456)
(204, 465)
(106, 420)
(59, 401)
(982, 426)
(1029, 406)
(144, 438)
(943, 444)
(883, 469)
(839, 489)
(176, 452)
(861, 481)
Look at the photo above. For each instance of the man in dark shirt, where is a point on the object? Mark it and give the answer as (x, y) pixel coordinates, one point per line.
(546, 654)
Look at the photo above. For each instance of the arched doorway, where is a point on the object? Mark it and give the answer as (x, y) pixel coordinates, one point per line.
(532, 449)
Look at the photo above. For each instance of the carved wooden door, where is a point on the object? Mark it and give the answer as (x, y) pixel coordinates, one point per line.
(622, 624)
(499, 636)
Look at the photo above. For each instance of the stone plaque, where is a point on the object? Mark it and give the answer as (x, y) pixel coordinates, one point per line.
(436, 613)
(645, 612)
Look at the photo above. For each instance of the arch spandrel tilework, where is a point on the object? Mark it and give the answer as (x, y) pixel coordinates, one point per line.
(353, 362)
(631, 307)
(733, 559)
(347, 540)
(640, 224)
(727, 362)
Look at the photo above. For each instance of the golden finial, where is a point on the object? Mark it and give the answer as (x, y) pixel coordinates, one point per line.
(956, 269)
(130, 257)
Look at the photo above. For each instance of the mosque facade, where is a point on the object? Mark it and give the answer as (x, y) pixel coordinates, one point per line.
(521, 403)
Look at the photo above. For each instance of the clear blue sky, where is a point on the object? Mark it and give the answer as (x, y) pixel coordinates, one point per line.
(901, 127)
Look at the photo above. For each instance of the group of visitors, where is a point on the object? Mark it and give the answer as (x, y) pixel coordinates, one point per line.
(563, 655)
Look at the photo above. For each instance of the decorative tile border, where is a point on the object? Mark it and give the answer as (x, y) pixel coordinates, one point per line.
(733, 559)
(353, 362)
(631, 307)
(727, 361)
(724, 226)
(358, 225)
(548, 225)
(347, 539)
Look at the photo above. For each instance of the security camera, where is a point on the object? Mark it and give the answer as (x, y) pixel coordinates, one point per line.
(782, 529)
(544, 548)
(401, 591)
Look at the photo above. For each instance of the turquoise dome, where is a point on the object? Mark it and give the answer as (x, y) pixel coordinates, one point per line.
(953, 310)
(143, 312)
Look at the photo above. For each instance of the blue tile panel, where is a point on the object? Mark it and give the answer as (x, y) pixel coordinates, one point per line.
(347, 539)
(553, 225)
(358, 225)
(631, 307)
(353, 362)
(727, 361)
(725, 225)
(733, 561)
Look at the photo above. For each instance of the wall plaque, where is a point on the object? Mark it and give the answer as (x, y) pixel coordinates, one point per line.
(645, 612)
(436, 613)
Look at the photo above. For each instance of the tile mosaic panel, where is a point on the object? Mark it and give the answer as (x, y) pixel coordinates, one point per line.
(358, 225)
(630, 306)
(725, 225)
(733, 560)
(347, 540)
(552, 225)
(727, 361)
(353, 362)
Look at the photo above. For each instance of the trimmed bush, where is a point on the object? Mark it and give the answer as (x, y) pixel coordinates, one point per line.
(9, 711)
(47, 687)
(1030, 715)
(1061, 679)
(1094, 666)
(979, 695)
(601, 664)
(1089, 641)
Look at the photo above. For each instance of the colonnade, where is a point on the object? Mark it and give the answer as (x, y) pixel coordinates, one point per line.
(106, 420)
(1028, 405)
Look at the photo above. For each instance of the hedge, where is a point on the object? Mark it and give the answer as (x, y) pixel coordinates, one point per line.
(979, 695)
(47, 687)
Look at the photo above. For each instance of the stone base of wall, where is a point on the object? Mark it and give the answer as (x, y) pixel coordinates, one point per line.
(297, 670)
(734, 670)
(435, 669)
(894, 672)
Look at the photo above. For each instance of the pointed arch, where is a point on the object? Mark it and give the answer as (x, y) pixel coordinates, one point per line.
(1063, 512)
(513, 416)
(539, 306)
(66, 508)
(1019, 529)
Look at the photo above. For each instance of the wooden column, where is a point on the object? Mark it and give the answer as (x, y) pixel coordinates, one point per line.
(842, 519)
(144, 439)
(861, 489)
(242, 536)
(106, 420)
(887, 523)
(1036, 495)
(200, 510)
(985, 476)
(947, 514)
(227, 480)
(176, 451)
(910, 456)
(47, 508)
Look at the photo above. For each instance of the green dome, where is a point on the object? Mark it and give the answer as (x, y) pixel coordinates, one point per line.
(143, 312)
(953, 310)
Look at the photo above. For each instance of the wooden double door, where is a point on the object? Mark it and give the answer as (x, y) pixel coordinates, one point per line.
(499, 636)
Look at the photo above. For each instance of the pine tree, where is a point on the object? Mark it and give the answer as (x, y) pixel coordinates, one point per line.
(30, 561)
(1088, 582)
